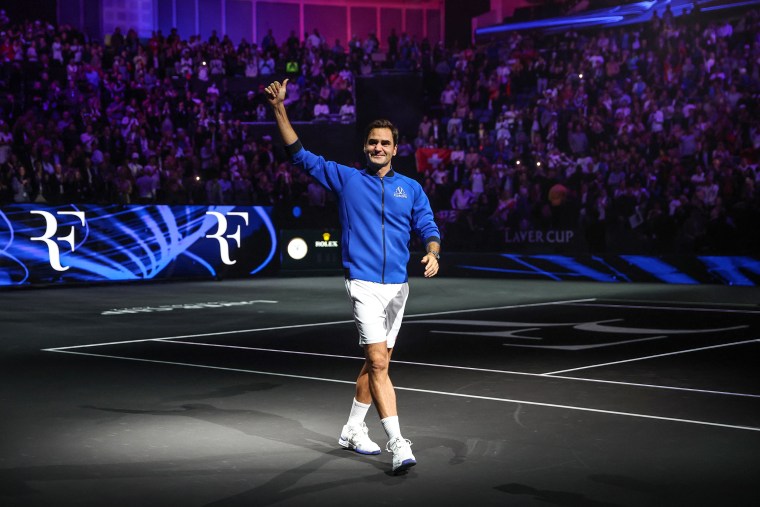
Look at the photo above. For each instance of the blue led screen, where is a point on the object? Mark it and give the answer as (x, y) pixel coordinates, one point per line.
(739, 270)
(612, 16)
(89, 243)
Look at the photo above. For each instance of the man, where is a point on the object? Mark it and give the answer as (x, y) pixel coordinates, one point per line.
(378, 210)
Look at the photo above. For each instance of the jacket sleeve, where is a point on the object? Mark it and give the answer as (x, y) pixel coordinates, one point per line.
(423, 220)
(330, 174)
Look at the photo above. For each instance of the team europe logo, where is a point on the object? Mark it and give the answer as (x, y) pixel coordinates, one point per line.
(400, 193)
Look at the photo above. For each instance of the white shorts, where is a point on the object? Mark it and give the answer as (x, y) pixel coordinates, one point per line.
(378, 309)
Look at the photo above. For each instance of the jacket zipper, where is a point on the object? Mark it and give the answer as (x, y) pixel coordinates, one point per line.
(382, 222)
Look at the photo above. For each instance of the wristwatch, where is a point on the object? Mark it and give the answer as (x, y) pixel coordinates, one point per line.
(436, 254)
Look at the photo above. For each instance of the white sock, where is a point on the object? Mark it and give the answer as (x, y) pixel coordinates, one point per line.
(358, 413)
(391, 427)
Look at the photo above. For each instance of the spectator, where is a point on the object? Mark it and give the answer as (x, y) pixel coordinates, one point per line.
(321, 110)
(147, 185)
(348, 111)
(462, 198)
(22, 185)
(454, 129)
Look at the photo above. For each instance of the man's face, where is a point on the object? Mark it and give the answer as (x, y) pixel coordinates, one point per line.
(379, 148)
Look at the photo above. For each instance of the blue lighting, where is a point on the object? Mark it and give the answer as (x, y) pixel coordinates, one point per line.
(729, 269)
(535, 269)
(618, 274)
(639, 12)
(273, 237)
(660, 269)
(577, 267)
(297, 211)
(119, 243)
(615, 268)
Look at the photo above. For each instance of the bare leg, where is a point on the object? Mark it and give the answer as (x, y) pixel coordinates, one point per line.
(363, 394)
(354, 434)
(377, 359)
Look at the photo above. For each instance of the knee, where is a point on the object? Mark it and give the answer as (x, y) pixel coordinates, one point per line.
(377, 364)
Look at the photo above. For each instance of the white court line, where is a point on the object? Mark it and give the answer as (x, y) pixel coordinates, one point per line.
(275, 328)
(455, 367)
(219, 333)
(677, 308)
(295, 326)
(713, 304)
(526, 305)
(427, 391)
(654, 356)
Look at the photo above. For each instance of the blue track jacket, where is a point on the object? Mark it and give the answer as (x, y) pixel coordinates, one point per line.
(377, 216)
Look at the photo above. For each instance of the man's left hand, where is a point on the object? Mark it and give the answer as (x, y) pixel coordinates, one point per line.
(431, 265)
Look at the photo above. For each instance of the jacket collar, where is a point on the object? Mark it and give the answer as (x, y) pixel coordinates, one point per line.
(389, 174)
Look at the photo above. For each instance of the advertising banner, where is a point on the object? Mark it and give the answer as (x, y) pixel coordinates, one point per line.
(90, 243)
(310, 250)
(739, 270)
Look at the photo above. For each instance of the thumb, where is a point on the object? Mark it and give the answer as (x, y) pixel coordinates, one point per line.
(285, 83)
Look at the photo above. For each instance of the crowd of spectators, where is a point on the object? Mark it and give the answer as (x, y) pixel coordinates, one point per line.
(161, 120)
(649, 129)
(643, 137)
(167, 120)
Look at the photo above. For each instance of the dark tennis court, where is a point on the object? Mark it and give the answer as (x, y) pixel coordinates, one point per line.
(513, 393)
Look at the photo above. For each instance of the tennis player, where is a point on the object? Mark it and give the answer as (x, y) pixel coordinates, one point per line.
(378, 208)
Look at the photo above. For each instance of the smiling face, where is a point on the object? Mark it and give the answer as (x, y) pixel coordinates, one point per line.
(380, 148)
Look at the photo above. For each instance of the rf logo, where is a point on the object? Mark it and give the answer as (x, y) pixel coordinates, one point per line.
(51, 227)
(224, 247)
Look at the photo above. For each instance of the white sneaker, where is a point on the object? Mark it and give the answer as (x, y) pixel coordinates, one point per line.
(403, 458)
(357, 439)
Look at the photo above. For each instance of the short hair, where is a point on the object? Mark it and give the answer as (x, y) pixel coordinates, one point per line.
(382, 124)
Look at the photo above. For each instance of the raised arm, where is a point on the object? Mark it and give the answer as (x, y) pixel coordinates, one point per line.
(276, 97)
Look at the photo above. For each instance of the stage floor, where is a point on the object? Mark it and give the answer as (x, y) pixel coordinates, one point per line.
(513, 393)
